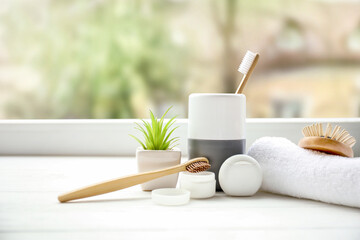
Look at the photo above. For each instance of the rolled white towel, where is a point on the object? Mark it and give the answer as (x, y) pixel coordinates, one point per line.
(291, 170)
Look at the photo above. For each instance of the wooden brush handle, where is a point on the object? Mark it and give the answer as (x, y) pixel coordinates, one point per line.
(119, 183)
(246, 76)
(326, 145)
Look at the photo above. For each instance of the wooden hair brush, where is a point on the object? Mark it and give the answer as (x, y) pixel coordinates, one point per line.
(334, 140)
(194, 165)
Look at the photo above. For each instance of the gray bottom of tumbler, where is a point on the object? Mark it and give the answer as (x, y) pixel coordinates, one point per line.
(217, 151)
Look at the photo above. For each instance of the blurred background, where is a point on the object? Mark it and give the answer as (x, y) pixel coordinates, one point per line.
(116, 59)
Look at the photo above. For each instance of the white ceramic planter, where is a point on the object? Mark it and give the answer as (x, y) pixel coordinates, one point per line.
(149, 160)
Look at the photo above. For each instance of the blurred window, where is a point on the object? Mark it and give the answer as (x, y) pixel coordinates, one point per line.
(354, 40)
(117, 59)
(291, 37)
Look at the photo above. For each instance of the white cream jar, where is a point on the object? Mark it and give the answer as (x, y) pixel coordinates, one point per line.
(200, 185)
(240, 175)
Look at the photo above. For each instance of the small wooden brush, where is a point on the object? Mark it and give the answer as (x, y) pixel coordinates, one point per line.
(334, 140)
(194, 165)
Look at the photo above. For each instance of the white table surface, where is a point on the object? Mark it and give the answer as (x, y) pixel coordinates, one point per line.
(29, 208)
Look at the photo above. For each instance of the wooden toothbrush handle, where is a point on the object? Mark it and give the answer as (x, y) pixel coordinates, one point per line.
(241, 87)
(119, 183)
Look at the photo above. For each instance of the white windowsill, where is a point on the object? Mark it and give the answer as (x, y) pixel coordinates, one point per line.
(111, 137)
(29, 208)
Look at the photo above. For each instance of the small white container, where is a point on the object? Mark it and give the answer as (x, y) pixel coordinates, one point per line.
(200, 185)
(240, 175)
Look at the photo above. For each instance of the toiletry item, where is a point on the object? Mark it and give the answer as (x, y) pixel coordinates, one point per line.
(170, 196)
(291, 170)
(216, 127)
(240, 175)
(247, 67)
(193, 165)
(333, 141)
(200, 185)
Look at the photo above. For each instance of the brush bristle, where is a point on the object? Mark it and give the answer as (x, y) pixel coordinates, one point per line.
(247, 62)
(337, 133)
(198, 167)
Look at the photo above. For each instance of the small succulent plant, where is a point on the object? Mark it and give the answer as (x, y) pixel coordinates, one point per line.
(157, 134)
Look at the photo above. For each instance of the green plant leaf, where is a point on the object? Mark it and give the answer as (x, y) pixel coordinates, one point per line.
(140, 128)
(163, 117)
(165, 146)
(153, 121)
(167, 127)
(150, 134)
(172, 146)
(142, 144)
(170, 122)
(156, 134)
(146, 136)
(169, 134)
(174, 140)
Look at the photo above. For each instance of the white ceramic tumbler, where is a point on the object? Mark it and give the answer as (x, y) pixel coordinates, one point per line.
(216, 127)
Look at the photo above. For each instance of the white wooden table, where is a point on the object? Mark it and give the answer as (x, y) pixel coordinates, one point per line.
(29, 208)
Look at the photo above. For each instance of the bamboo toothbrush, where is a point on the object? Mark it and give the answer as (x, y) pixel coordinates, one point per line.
(334, 141)
(247, 67)
(194, 165)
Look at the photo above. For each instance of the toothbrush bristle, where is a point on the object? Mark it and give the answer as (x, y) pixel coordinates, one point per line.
(198, 167)
(247, 62)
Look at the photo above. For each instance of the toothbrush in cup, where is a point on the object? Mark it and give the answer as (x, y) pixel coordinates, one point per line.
(246, 67)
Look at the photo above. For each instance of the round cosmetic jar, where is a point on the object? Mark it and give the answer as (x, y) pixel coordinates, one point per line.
(240, 175)
(200, 185)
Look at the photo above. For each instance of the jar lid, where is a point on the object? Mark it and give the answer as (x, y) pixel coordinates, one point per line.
(204, 176)
(170, 196)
